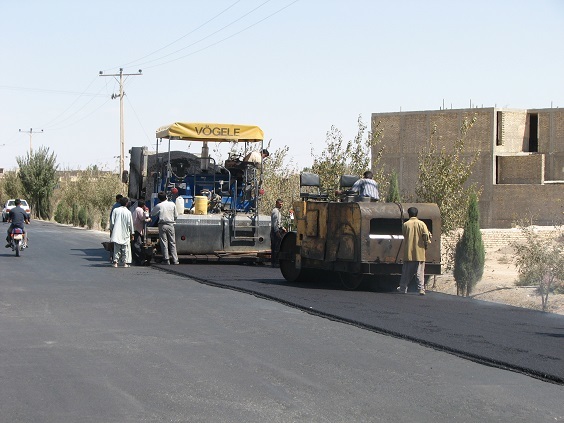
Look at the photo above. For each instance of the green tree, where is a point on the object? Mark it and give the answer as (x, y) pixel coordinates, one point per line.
(12, 186)
(443, 177)
(393, 190)
(540, 262)
(38, 176)
(353, 157)
(280, 179)
(470, 253)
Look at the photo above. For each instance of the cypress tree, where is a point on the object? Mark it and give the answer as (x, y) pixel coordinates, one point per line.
(393, 191)
(470, 253)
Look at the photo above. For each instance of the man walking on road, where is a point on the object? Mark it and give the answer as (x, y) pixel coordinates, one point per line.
(167, 214)
(416, 237)
(121, 229)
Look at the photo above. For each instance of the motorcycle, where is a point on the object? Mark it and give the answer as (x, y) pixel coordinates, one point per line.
(17, 240)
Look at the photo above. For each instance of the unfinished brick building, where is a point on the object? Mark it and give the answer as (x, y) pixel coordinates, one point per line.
(521, 163)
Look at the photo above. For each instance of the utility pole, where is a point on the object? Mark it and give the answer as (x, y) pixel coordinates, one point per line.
(30, 132)
(120, 96)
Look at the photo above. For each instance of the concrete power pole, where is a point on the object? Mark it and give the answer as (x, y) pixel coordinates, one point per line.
(30, 132)
(121, 130)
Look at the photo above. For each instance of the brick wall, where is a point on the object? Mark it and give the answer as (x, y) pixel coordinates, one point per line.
(499, 238)
(527, 169)
(543, 205)
(405, 134)
(551, 142)
(515, 134)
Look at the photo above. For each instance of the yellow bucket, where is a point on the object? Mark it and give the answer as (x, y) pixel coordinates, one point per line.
(201, 204)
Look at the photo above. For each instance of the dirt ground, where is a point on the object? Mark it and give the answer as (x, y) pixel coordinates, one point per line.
(498, 284)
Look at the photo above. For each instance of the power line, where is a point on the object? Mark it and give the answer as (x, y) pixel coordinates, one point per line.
(204, 38)
(220, 41)
(181, 38)
(138, 120)
(42, 90)
(72, 104)
(82, 118)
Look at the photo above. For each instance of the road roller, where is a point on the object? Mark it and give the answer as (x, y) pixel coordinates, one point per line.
(353, 240)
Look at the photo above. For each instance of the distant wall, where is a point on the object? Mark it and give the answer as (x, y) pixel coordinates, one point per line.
(534, 204)
(499, 238)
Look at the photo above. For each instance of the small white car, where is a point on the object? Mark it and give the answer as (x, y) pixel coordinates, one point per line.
(10, 204)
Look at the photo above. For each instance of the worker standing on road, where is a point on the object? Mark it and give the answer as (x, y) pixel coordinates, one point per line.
(109, 246)
(140, 219)
(121, 229)
(167, 214)
(277, 231)
(416, 237)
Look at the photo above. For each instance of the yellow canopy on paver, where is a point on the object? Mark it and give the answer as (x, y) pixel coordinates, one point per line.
(216, 132)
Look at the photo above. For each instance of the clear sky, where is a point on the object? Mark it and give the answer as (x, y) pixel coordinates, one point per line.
(294, 68)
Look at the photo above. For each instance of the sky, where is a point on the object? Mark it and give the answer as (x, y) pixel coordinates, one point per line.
(293, 67)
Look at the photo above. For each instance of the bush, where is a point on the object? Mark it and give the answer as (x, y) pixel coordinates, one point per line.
(89, 222)
(74, 214)
(540, 262)
(62, 213)
(81, 216)
(103, 222)
(93, 191)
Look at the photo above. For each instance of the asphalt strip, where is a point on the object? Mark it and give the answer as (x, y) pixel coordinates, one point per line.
(498, 356)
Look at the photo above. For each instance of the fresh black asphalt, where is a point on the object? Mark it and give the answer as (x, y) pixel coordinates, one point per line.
(513, 338)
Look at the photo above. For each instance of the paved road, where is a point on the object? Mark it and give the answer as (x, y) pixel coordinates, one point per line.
(523, 340)
(83, 342)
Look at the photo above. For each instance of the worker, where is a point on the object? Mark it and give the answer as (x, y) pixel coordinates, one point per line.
(167, 214)
(277, 231)
(140, 219)
(122, 230)
(367, 187)
(256, 157)
(416, 238)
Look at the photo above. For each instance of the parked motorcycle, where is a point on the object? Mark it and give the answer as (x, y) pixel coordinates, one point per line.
(17, 240)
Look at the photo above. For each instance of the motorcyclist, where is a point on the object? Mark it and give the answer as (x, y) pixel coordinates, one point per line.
(17, 218)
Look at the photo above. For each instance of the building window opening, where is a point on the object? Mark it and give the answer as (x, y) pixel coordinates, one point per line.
(499, 129)
(533, 133)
